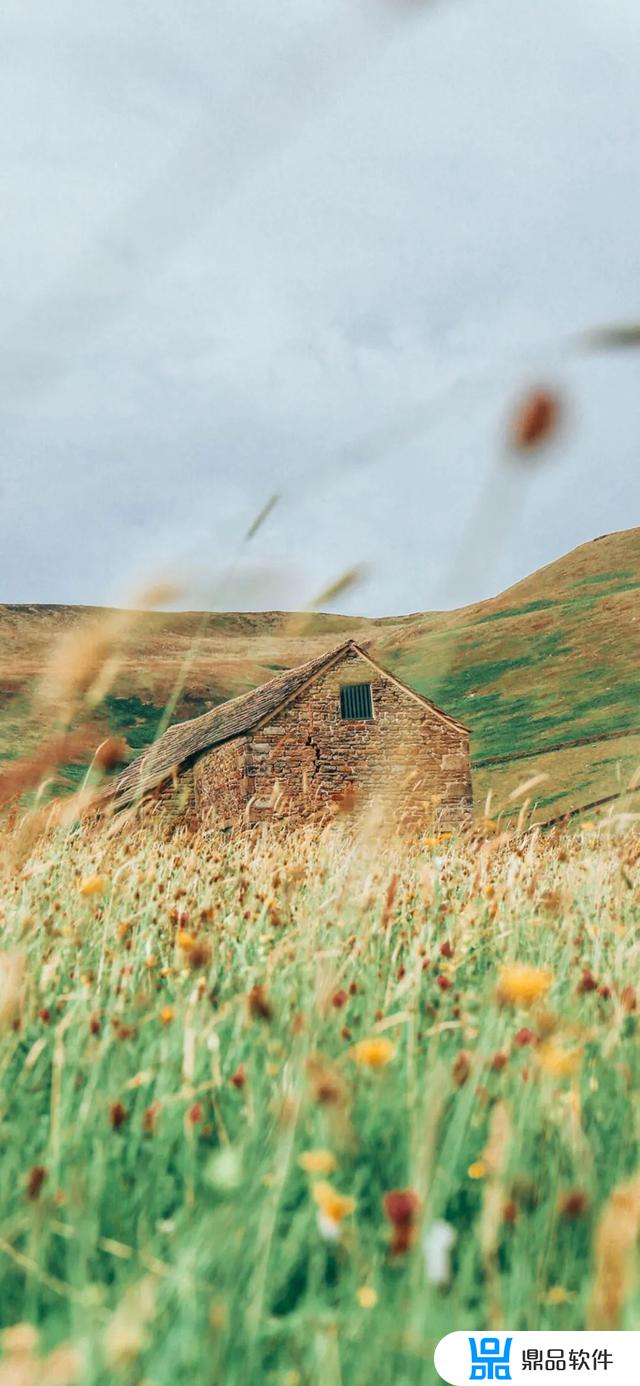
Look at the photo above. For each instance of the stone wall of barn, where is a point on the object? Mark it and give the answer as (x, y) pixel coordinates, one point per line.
(175, 795)
(220, 785)
(407, 763)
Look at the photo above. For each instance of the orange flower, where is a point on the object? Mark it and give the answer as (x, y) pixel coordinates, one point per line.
(376, 1052)
(167, 1014)
(93, 885)
(556, 1061)
(184, 940)
(519, 984)
(333, 1205)
(317, 1161)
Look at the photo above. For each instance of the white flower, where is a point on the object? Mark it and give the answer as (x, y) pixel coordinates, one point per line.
(437, 1244)
(223, 1170)
(329, 1229)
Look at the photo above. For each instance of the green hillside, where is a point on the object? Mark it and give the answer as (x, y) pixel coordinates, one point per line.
(554, 657)
(551, 659)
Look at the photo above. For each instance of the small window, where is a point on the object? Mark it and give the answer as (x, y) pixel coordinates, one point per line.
(356, 704)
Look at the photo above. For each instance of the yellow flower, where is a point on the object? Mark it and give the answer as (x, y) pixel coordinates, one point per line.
(477, 1170)
(367, 1297)
(558, 1295)
(558, 1062)
(166, 1015)
(334, 1205)
(519, 984)
(93, 885)
(374, 1053)
(317, 1161)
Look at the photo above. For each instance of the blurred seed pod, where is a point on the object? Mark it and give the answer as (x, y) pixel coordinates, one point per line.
(535, 420)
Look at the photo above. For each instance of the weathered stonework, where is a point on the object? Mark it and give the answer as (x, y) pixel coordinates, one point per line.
(410, 764)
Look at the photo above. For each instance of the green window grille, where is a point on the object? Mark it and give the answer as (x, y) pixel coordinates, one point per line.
(356, 704)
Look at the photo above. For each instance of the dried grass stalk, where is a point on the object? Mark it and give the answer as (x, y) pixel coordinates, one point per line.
(614, 1256)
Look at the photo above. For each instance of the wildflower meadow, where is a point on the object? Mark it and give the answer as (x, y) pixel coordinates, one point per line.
(288, 1109)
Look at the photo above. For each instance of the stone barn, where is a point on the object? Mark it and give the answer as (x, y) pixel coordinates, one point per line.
(339, 733)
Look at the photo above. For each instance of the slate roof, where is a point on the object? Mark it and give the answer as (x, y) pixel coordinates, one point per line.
(186, 740)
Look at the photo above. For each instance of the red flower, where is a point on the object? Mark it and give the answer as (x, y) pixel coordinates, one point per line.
(402, 1208)
(35, 1180)
(523, 1037)
(339, 999)
(238, 1078)
(498, 1062)
(196, 1113)
(573, 1204)
(587, 982)
(117, 1115)
(461, 1067)
(259, 1006)
(446, 949)
(443, 982)
(44, 1015)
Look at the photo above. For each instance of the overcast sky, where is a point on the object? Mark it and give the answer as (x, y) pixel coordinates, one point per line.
(313, 247)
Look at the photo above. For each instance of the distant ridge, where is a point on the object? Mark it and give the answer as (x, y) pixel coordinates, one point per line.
(553, 659)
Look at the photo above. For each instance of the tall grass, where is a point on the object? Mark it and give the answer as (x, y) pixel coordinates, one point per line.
(220, 1058)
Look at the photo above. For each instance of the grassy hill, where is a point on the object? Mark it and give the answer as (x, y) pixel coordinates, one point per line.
(553, 658)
